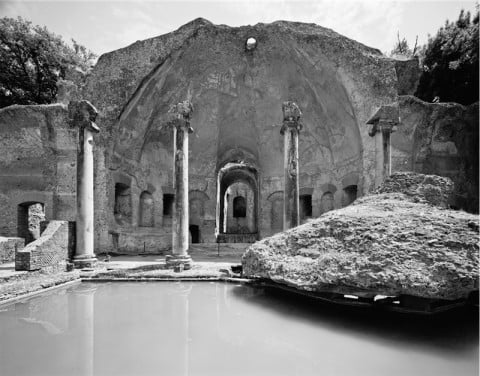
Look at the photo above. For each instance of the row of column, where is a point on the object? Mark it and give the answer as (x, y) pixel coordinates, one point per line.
(83, 115)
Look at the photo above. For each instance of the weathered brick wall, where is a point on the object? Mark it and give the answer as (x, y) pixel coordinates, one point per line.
(49, 250)
(8, 246)
(37, 163)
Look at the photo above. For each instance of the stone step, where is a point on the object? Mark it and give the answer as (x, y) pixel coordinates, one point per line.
(237, 248)
(237, 238)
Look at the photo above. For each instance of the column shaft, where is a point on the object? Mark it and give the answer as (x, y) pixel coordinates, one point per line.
(379, 159)
(85, 199)
(291, 214)
(179, 259)
(387, 158)
(180, 217)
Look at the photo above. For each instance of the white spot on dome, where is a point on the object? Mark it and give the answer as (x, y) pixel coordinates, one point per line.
(251, 43)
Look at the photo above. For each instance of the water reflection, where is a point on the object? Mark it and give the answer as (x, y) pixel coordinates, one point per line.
(213, 328)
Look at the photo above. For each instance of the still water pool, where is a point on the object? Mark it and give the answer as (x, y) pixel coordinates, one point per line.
(210, 329)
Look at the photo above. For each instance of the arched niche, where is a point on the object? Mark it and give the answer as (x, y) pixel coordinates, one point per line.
(197, 201)
(122, 209)
(327, 202)
(350, 193)
(146, 210)
(240, 209)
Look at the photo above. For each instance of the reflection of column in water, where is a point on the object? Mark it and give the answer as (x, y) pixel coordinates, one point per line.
(180, 301)
(81, 307)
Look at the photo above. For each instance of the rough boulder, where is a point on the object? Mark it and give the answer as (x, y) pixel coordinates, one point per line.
(390, 243)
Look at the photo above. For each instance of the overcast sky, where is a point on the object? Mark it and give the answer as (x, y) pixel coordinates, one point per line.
(104, 26)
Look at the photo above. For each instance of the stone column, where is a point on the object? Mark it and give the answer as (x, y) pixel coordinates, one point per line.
(83, 115)
(384, 122)
(290, 130)
(181, 128)
(386, 129)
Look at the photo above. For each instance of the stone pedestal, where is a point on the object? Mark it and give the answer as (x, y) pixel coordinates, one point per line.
(290, 130)
(181, 129)
(83, 116)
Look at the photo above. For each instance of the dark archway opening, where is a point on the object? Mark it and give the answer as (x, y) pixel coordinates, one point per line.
(239, 207)
(194, 234)
(29, 216)
(305, 206)
(168, 200)
(237, 204)
(349, 194)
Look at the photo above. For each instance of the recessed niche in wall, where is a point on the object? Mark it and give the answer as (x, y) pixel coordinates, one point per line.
(168, 200)
(146, 210)
(327, 202)
(122, 209)
(239, 207)
(194, 234)
(305, 206)
(349, 194)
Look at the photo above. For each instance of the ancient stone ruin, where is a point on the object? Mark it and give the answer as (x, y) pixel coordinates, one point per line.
(229, 184)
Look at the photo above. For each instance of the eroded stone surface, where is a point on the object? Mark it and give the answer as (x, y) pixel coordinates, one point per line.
(432, 189)
(385, 243)
(440, 139)
(8, 246)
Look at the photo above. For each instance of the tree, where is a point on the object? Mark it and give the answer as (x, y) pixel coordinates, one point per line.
(32, 60)
(403, 49)
(450, 63)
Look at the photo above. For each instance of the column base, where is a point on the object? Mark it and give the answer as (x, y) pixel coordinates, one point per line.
(175, 262)
(86, 261)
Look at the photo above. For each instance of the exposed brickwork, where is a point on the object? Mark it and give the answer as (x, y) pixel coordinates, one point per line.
(49, 250)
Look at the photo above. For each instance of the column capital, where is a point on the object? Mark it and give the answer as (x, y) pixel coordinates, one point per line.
(82, 114)
(180, 115)
(385, 120)
(291, 117)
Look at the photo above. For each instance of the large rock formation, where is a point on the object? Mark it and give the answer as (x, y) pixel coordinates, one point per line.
(393, 243)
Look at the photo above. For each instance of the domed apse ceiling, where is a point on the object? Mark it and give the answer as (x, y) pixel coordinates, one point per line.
(237, 96)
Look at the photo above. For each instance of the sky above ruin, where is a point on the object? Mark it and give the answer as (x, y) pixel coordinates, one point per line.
(106, 25)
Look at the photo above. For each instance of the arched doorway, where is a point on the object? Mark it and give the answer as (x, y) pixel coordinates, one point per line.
(194, 234)
(237, 203)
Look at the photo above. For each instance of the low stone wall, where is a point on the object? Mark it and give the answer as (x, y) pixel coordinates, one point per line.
(141, 242)
(8, 247)
(49, 250)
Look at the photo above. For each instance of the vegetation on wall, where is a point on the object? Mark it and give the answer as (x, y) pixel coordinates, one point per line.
(32, 60)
